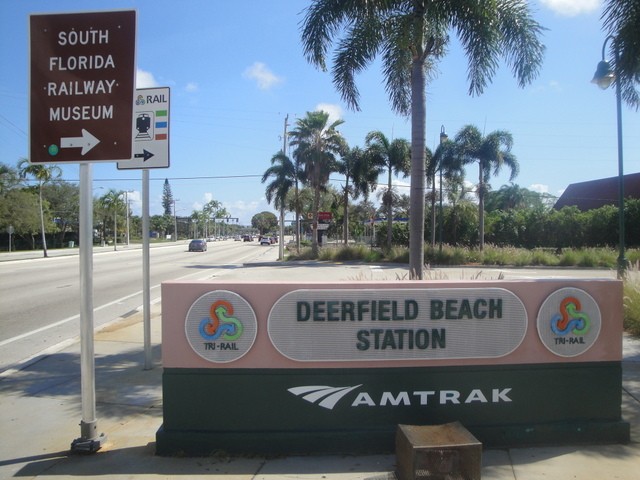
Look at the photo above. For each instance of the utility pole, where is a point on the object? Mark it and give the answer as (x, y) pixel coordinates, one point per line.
(175, 221)
(284, 151)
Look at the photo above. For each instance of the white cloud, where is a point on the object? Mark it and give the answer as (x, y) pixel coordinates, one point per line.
(246, 210)
(540, 188)
(264, 77)
(571, 8)
(192, 87)
(334, 111)
(145, 79)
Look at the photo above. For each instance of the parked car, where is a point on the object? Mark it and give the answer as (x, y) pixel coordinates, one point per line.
(197, 246)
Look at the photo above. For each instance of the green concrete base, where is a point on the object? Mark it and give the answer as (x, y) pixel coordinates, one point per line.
(374, 442)
(263, 411)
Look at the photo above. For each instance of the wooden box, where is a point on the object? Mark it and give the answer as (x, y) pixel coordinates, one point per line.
(437, 452)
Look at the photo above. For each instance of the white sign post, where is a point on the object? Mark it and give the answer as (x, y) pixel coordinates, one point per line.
(82, 80)
(150, 150)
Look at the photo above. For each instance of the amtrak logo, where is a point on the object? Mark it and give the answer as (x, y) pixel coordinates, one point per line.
(323, 395)
(328, 397)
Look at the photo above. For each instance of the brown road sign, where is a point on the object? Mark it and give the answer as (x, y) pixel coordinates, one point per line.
(82, 81)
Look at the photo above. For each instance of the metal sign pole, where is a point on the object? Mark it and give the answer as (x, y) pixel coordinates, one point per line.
(89, 440)
(146, 289)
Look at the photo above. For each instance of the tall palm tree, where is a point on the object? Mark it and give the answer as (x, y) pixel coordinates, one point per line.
(113, 203)
(395, 157)
(285, 177)
(620, 20)
(448, 164)
(456, 195)
(318, 144)
(491, 153)
(43, 174)
(347, 166)
(411, 36)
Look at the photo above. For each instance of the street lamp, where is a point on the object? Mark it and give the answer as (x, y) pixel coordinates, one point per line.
(443, 138)
(604, 77)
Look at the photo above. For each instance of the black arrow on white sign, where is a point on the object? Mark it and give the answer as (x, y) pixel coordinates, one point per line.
(145, 155)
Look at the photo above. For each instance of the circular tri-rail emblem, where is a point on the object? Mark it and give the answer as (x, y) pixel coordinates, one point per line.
(569, 322)
(221, 326)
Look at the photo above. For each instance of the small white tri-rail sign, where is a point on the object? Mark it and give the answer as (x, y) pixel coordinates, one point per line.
(150, 130)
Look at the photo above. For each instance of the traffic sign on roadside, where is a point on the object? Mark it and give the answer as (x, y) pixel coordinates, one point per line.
(82, 83)
(150, 130)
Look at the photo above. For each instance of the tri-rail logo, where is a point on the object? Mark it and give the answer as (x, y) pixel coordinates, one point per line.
(221, 326)
(569, 322)
(326, 396)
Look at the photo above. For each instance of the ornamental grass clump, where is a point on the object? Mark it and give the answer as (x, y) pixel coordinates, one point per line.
(631, 300)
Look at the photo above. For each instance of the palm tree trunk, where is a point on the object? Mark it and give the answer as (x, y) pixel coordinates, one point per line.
(433, 210)
(314, 227)
(345, 221)
(389, 211)
(316, 207)
(416, 213)
(44, 237)
(481, 208)
(297, 219)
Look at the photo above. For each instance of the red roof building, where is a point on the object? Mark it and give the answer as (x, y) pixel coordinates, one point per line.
(597, 193)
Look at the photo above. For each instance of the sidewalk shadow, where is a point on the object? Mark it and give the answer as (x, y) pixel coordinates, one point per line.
(120, 380)
(140, 461)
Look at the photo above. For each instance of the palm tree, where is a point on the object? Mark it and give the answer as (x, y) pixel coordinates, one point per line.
(395, 157)
(317, 144)
(447, 163)
(211, 210)
(456, 195)
(411, 37)
(347, 166)
(285, 177)
(511, 197)
(113, 203)
(43, 174)
(491, 153)
(620, 20)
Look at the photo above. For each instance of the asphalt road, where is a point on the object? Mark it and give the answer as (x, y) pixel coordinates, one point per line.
(41, 296)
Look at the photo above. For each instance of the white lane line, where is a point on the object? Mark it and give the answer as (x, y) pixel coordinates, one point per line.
(96, 309)
(67, 320)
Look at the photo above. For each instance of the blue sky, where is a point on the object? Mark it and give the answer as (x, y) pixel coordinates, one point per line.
(236, 69)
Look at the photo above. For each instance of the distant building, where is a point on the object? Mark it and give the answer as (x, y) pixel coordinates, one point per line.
(597, 193)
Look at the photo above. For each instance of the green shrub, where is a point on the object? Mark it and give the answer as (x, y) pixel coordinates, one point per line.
(568, 258)
(587, 258)
(543, 257)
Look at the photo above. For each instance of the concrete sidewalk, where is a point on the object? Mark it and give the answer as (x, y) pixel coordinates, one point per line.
(40, 412)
